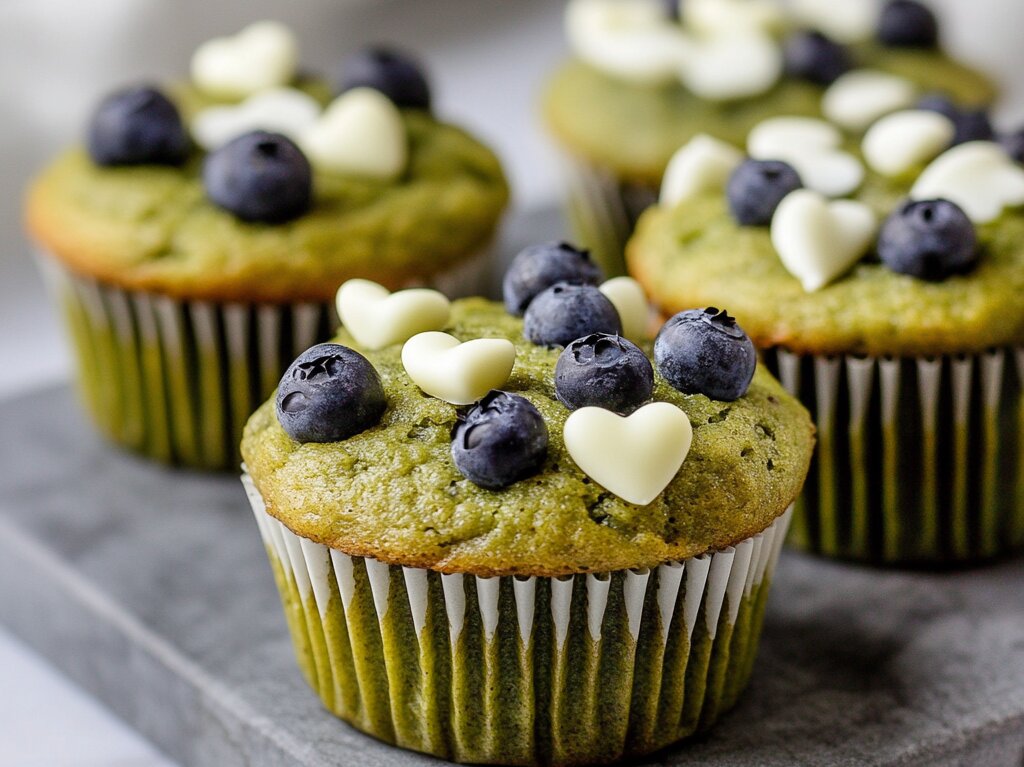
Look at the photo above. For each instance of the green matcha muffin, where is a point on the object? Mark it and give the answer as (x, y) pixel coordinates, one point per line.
(195, 242)
(892, 309)
(569, 566)
(647, 76)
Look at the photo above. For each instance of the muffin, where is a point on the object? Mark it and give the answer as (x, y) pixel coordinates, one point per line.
(647, 76)
(568, 566)
(195, 243)
(892, 310)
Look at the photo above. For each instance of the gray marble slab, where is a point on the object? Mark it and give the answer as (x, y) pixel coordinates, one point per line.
(150, 588)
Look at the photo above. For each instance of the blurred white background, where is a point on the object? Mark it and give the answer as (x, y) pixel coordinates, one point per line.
(487, 59)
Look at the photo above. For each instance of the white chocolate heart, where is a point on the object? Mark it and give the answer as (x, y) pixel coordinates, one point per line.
(630, 301)
(280, 110)
(978, 176)
(712, 17)
(845, 21)
(361, 134)
(635, 457)
(703, 164)
(263, 55)
(633, 40)
(861, 97)
(813, 148)
(903, 141)
(459, 373)
(733, 65)
(818, 240)
(377, 317)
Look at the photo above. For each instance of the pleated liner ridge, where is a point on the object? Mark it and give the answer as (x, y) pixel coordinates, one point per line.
(603, 211)
(513, 670)
(920, 460)
(177, 380)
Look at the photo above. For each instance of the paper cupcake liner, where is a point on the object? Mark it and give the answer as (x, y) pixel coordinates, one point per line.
(603, 211)
(579, 670)
(920, 460)
(176, 380)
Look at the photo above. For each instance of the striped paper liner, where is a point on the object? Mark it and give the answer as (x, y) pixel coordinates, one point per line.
(176, 380)
(578, 670)
(603, 211)
(920, 460)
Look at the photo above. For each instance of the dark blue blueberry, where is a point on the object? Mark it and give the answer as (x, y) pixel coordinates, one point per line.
(816, 58)
(396, 75)
(757, 187)
(605, 371)
(1013, 143)
(137, 126)
(970, 124)
(565, 312)
(673, 9)
(929, 239)
(329, 394)
(500, 440)
(260, 177)
(538, 267)
(908, 24)
(704, 351)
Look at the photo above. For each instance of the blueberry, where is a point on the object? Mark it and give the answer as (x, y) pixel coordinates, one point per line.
(929, 239)
(260, 177)
(538, 267)
(329, 394)
(605, 371)
(137, 126)
(673, 9)
(565, 312)
(396, 75)
(816, 58)
(1013, 143)
(704, 351)
(970, 124)
(756, 188)
(908, 24)
(500, 440)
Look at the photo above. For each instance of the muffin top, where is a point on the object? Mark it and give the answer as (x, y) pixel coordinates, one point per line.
(249, 183)
(895, 246)
(496, 487)
(642, 83)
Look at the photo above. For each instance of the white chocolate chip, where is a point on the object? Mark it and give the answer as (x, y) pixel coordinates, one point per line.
(784, 135)
(978, 176)
(712, 17)
(703, 164)
(845, 21)
(634, 457)
(630, 301)
(861, 97)
(903, 141)
(362, 134)
(733, 65)
(812, 147)
(279, 110)
(263, 55)
(634, 40)
(818, 240)
(376, 318)
(459, 373)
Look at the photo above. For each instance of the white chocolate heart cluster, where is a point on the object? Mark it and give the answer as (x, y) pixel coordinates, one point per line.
(725, 49)
(818, 235)
(361, 133)
(635, 457)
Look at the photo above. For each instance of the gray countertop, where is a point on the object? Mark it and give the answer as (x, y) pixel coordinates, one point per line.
(150, 588)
